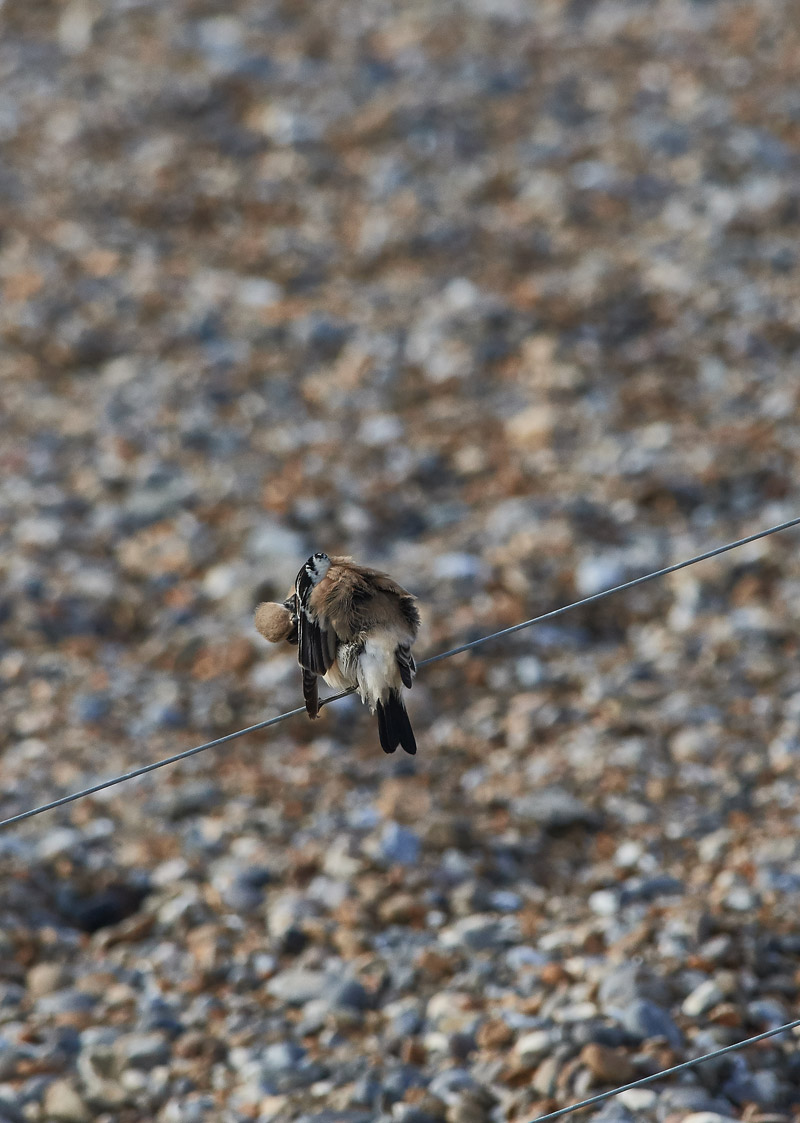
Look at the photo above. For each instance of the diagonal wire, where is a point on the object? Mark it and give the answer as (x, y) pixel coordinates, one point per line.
(666, 1072)
(424, 663)
(149, 768)
(615, 589)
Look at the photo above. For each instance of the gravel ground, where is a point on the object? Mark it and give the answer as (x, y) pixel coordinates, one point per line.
(500, 296)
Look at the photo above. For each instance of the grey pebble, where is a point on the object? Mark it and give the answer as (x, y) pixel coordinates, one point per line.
(584, 1031)
(156, 1013)
(521, 957)
(650, 888)
(767, 1012)
(299, 985)
(349, 994)
(10, 1108)
(450, 1083)
(406, 1023)
(630, 982)
(142, 1050)
(69, 1001)
(612, 1112)
(554, 809)
(194, 1108)
(366, 1089)
(644, 1019)
(690, 1098)
(11, 995)
(11, 1054)
(408, 1113)
(768, 1090)
(281, 1056)
(188, 799)
(399, 1079)
(398, 844)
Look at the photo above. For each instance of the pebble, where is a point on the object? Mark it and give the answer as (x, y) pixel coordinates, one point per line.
(451, 1083)
(398, 844)
(613, 1111)
(708, 1117)
(639, 1099)
(281, 1057)
(472, 1105)
(477, 932)
(609, 1066)
(554, 809)
(297, 986)
(349, 995)
(66, 1001)
(702, 999)
(768, 1012)
(63, 1104)
(629, 982)
(44, 978)
(459, 567)
(142, 1050)
(605, 902)
(532, 1047)
(9, 1108)
(595, 574)
(644, 1019)
(545, 1077)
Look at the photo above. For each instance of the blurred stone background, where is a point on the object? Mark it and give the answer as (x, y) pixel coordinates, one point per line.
(500, 296)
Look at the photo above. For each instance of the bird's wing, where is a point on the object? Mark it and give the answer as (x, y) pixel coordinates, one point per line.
(404, 603)
(316, 640)
(310, 693)
(405, 664)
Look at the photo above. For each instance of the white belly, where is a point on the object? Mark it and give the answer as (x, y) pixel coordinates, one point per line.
(374, 672)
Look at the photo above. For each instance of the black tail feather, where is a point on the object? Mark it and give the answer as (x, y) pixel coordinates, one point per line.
(311, 693)
(394, 728)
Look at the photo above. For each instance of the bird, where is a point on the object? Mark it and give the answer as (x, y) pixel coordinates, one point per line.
(353, 626)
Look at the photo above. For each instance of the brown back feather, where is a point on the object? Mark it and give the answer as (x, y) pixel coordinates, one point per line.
(351, 596)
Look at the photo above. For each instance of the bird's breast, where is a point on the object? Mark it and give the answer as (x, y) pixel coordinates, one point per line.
(344, 673)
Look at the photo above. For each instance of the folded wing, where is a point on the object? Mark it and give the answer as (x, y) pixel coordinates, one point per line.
(316, 639)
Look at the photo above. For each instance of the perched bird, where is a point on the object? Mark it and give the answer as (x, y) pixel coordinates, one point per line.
(354, 626)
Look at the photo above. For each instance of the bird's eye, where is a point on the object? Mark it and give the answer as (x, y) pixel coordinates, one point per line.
(320, 556)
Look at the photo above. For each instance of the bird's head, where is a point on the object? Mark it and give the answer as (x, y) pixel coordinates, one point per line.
(317, 566)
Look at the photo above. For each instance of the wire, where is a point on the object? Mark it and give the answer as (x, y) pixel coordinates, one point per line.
(149, 768)
(665, 1072)
(424, 663)
(609, 592)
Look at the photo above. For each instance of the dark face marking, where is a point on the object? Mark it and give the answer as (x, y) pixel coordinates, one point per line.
(310, 575)
(317, 566)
